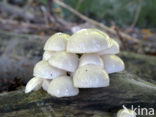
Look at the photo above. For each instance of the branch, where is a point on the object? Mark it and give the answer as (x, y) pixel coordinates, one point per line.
(4, 7)
(124, 35)
(31, 25)
(136, 15)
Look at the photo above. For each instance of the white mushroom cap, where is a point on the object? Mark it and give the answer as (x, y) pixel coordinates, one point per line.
(112, 63)
(90, 76)
(33, 84)
(65, 61)
(43, 70)
(62, 87)
(57, 42)
(88, 41)
(114, 49)
(91, 59)
(45, 84)
(126, 113)
(47, 55)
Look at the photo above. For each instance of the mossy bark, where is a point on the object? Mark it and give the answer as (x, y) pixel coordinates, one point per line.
(125, 89)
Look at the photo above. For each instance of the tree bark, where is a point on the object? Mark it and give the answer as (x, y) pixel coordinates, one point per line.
(125, 89)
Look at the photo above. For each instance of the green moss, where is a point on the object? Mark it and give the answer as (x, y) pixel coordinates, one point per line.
(140, 65)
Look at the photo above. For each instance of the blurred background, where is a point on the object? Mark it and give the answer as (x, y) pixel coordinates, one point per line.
(26, 24)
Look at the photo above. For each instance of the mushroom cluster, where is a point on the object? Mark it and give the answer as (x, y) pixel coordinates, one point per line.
(82, 60)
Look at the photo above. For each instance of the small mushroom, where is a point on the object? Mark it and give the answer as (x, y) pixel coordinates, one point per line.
(65, 61)
(126, 113)
(90, 76)
(91, 59)
(112, 63)
(62, 87)
(88, 41)
(34, 84)
(43, 70)
(57, 42)
(47, 55)
(45, 84)
(114, 49)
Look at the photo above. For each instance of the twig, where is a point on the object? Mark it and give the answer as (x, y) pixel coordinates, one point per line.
(31, 36)
(47, 14)
(29, 25)
(4, 7)
(78, 4)
(136, 15)
(50, 6)
(124, 35)
(120, 37)
(77, 7)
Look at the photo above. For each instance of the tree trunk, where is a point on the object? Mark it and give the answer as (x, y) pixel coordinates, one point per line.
(125, 89)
